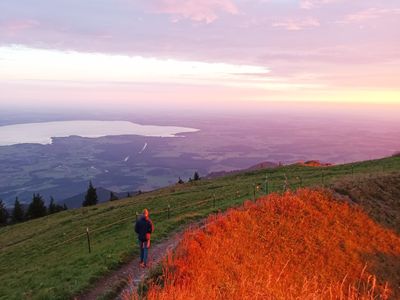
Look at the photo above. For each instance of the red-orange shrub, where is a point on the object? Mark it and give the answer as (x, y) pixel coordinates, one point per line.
(303, 245)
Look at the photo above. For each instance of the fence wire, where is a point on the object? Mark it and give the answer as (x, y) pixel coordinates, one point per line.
(276, 183)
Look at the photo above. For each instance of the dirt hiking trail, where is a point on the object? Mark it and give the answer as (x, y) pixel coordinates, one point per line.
(129, 275)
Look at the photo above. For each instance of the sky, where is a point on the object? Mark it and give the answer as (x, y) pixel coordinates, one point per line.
(214, 53)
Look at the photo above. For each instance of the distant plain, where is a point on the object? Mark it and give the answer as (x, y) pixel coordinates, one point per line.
(226, 142)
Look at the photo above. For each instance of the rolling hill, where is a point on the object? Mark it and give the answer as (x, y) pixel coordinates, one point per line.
(299, 245)
(48, 258)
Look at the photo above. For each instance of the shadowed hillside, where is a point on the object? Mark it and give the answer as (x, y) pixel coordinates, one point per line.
(378, 195)
(303, 245)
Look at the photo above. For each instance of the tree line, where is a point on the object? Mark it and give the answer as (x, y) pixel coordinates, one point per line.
(36, 209)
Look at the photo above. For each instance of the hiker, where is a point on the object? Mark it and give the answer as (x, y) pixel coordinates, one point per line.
(144, 228)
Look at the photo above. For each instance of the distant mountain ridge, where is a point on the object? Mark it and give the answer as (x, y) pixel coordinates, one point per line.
(103, 195)
(267, 165)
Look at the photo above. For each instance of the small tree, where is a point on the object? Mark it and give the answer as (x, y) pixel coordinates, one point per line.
(113, 197)
(128, 195)
(196, 176)
(53, 207)
(18, 212)
(37, 208)
(180, 181)
(3, 214)
(91, 196)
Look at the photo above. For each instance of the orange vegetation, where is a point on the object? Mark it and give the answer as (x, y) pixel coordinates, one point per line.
(303, 245)
(314, 163)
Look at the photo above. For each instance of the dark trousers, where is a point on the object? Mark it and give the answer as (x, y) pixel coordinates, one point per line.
(144, 250)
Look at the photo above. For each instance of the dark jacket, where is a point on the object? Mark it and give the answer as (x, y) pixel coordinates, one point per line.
(144, 228)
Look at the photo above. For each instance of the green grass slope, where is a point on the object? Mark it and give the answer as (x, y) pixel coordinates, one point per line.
(48, 258)
(377, 194)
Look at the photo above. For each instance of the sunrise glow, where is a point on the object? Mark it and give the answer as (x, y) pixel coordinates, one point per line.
(318, 51)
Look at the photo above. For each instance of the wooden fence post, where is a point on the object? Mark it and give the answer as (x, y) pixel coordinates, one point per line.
(88, 239)
(214, 200)
(286, 183)
(169, 207)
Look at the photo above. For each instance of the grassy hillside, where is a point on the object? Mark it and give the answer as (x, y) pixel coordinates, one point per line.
(378, 194)
(302, 245)
(48, 258)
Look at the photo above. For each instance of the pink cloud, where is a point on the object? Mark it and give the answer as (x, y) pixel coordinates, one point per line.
(13, 27)
(297, 24)
(370, 14)
(309, 4)
(196, 10)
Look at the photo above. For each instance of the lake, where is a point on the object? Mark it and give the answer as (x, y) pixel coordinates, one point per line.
(42, 133)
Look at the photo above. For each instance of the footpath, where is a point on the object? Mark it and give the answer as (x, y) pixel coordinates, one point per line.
(131, 274)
